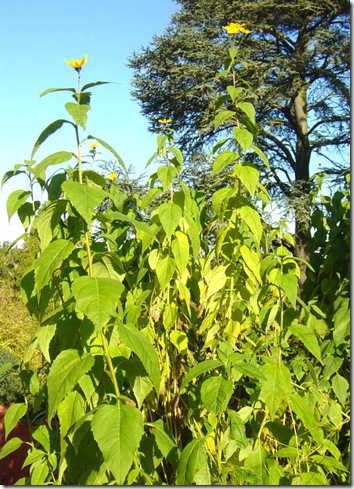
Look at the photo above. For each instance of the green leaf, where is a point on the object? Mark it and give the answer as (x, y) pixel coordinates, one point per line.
(252, 262)
(117, 430)
(94, 84)
(216, 280)
(166, 174)
(248, 109)
(243, 137)
(39, 473)
(48, 217)
(14, 413)
(199, 369)
(139, 225)
(53, 159)
(50, 90)
(10, 446)
(249, 176)
(275, 388)
(251, 217)
(165, 442)
(143, 348)
(114, 153)
(96, 297)
(180, 250)
(84, 198)
(308, 338)
(169, 214)
(139, 380)
(193, 465)
(78, 112)
(66, 370)
(223, 116)
(340, 387)
(50, 260)
(234, 92)
(70, 410)
(45, 335)
(260, 153)
(48, 131)
(247, 369)
(180, 340)
(216, 393)
(165, 269)
(224, 159)
(306, 413)
(288, 282)
(15, 200)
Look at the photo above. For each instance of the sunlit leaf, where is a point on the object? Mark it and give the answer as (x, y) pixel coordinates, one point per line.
(117, 430)
(65, 372)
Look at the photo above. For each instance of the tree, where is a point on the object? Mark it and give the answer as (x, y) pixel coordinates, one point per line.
(298, 59)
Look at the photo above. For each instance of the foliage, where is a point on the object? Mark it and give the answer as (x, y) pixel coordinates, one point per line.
(16, 324)
(10, 384)
(172, 358)
(294, 69)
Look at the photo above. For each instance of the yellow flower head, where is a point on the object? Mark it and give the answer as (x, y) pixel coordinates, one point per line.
(112, 176)
(77, 63)
(94, 145)
(236, 28)
(164, 121)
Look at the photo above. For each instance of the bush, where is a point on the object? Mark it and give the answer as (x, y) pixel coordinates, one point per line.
(10, 383)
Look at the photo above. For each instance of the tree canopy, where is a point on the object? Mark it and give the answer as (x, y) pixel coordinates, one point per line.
(296, 68)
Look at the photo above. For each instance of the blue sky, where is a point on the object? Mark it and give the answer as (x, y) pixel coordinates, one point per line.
(36, 37)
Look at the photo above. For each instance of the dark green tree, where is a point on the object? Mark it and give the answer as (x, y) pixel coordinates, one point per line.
(298, 58)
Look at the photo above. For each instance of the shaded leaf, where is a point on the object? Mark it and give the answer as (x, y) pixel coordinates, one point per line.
(193, 465)
(199, 369)
(14, 413)
(169, 214)
(48, 131)
(308, 338)
(216, 393)
(84, 198)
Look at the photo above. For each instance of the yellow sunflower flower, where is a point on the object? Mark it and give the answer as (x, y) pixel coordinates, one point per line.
(94, 145)
(112, 176)
(164, 121)
(77, 64)
(236, 28)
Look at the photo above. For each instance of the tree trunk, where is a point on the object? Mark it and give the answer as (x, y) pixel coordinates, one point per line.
(302, 185)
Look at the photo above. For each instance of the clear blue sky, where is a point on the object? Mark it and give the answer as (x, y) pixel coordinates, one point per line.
(36, 37)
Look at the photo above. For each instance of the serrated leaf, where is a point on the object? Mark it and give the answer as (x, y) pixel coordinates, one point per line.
(165, 269)
(251, 217)
(10, 446)
(248, 109)
(169, 214)
(96, 297)
(48, 131)
(248, 175)
(139, 380)
(180, 250)
(199, 369)
(216, 393)
(288, 282)
(139, 225)
(180, 340)
(193, 465)
(165, 442)
(78, 112)
(216, 280)
(15, 200)
(276, 387)
(49, 261)
(308, 338)
(223, 116)
(70, 410)
(66, 370)
(53, 159)
(224, 159)
(234, 92)
(44, 335)
(84, 198)
(47, 219)
(14, 413)
(253, 264)
(94, 84)
(143, 348)
(117, 430)
(340, 387)
(166, 174)
(243, 137)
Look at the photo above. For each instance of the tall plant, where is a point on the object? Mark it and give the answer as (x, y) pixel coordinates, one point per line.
(172, 358)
